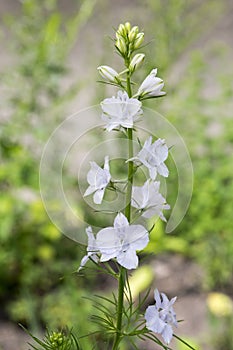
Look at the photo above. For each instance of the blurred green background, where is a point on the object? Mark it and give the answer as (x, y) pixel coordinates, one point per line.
(50, 51)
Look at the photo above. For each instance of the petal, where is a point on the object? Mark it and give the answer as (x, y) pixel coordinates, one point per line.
(98, 196)
(110, 126)
(167, 333)
(107, 241)
(137, 197)
(120, 221)
(153, 322)
(91, 240)
(112, 106)
(161, 148)
(149, 213)
(137, 237)
(172, 301)
(140, 195)
(150, 313)
(148, 142)
(163, 170)
(128, 259)
(83, 262)
(157, 299)
(127, 123)
(89, 190)
(165, 302)
(162, 217)
(146, 85)
(153, 173)
(91, 175)
(133, 106)
(107, 257)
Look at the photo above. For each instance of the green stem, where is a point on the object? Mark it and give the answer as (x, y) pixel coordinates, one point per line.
(121, 286)
(130, 175)
(130, 155)
(123, 271)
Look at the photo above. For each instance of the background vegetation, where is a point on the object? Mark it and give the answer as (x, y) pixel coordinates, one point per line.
(36, 261)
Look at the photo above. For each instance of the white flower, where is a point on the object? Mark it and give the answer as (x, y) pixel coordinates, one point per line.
(151, 86)
(153, 155)
(120, 111)
(98, 180)
(121, 242)
(148, 199)
(91, 249)
(161, 317)
(108, 73)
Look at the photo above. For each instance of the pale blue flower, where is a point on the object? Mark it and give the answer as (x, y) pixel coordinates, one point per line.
(153, 156)
(161, 317)
(98, 180)
(148, 199)
(120, 111)
(121, 242)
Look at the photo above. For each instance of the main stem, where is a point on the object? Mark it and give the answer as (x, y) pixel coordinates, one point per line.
(123, 271)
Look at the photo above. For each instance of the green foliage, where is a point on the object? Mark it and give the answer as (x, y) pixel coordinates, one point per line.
(56, 340)
(222, 330)
(34, 255)
(198, 105)
(206, 231)
(183, 346)
(177, 24)
(43, 39)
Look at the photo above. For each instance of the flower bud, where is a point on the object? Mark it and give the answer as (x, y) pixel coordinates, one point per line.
(136, 61)
(121, 30)
(121, 45)
(138, 40)
(127, 27)
(133, 33)
(108, 73)
(118, 35)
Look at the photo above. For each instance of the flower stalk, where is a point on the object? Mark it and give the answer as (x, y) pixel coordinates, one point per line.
(123, 271)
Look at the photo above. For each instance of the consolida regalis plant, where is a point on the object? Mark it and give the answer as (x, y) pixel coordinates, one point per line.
(124, 239)
(114, 249)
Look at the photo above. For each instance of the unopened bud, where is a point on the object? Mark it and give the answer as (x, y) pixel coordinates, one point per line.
(121, 29)
(127, 27)
(138, 40)
(121, 45)
(108, 73)
(136, 61)
(133, 33)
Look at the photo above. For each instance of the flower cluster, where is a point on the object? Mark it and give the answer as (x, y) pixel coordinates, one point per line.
(124, 239)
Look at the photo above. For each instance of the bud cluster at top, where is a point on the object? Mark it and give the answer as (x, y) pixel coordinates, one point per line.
(128, 40)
